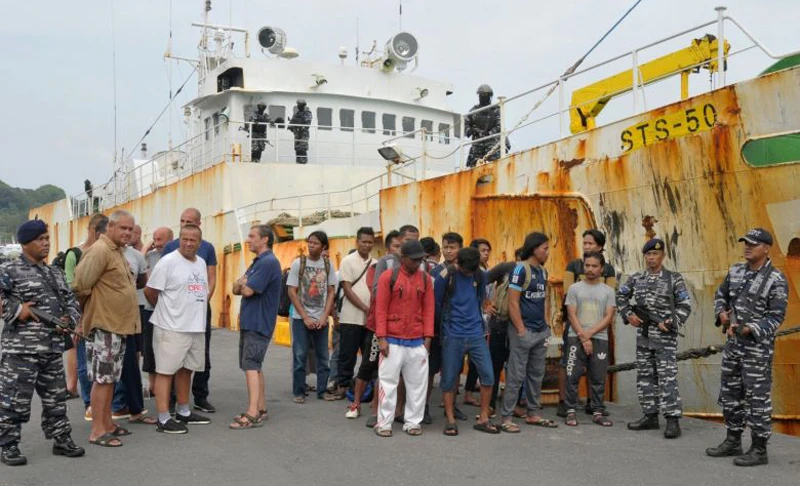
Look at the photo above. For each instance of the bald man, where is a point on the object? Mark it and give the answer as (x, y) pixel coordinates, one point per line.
(152, 253)
(192, 216)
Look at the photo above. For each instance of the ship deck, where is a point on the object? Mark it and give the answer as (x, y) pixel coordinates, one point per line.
(314, 444)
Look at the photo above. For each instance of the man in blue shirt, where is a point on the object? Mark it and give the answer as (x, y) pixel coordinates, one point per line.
(528, 332)
(460, 294)
(207, 252)
(260, 288)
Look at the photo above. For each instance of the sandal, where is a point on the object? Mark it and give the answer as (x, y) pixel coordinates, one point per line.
(451, 429)
(510, 428)
(383, 432)
(120, 432)
(299, 399)
(142, 419)
(542, 422)
(571, 420)
(414, 431)
(473, 402)
(262, 414)
(106, 440)
(486, 427)
(519, 412)
(602, 420)
(246, 421)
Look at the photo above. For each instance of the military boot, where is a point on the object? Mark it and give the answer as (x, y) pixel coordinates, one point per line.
(64, 446)
(673, 430)
(731, 446)
(12, 456)
(756, 456)
(648, 422)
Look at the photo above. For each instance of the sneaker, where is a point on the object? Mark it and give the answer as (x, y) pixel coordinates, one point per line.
(204, 406)
(172, 427)
(122, 414)
(193, 419)
(353, 412)
(87, 415)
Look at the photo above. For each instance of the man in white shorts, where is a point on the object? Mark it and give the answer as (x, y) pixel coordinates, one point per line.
(178, 289)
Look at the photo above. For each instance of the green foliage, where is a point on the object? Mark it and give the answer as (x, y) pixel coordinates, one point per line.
(15, 203)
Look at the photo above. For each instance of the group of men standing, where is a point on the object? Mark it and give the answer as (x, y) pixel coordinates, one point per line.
(410, 316)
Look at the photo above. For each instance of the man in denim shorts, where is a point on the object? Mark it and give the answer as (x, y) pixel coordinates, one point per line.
(105, 287)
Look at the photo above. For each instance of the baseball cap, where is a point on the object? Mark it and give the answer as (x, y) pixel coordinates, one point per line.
(757, 236)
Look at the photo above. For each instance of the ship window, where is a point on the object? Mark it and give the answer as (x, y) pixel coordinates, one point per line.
(408, 126)
(207, 123)
(389, 124)
(444, 133)
(768, 151)
(276, 111)
(347, 120)
(368, 121)
(428, 126)
(324, 118)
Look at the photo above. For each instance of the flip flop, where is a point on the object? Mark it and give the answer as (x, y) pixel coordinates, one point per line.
(143, 419)
(451, 430)
(486, 427)
(510, 428)
(383, 433)
(414, 431)
(106, 440)
(120, 432)
(571, 420)
(542, 422)
(602, 420)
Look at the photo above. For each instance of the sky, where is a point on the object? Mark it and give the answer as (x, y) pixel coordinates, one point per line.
(57, 83)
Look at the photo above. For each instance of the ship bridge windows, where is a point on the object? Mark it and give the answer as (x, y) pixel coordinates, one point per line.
(389, 124)
(444, 133)
(408, 126)
(428, 126)
(347, 119)
(232, 78)
(324, 118)
(772, 150)
(368, 121)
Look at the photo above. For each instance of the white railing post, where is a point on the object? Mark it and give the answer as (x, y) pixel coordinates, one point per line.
(277, 145)
(328, 197)
(501, 100)
(424, 153)
(250, 143)
(461, 144)
(720, 46)
(635, 71)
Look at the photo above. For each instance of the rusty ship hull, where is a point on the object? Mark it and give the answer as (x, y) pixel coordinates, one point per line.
(677, 172)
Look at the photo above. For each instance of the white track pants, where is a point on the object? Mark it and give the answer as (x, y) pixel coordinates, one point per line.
(413, 364)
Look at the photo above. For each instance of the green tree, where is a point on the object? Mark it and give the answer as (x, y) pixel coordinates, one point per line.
(15, 203)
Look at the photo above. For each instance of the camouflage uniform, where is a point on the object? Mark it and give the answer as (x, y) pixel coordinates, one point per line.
(258, 127)
(479, 125)
(747, 360)
(31, 358)
(656, 362)
(301, 134)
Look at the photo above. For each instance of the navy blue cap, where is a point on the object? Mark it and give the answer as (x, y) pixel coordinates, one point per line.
(30, 230)
(757, 236)
(654, 244)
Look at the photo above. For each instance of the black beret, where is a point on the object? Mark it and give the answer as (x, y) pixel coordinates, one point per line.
(30, 230)
(654, 244)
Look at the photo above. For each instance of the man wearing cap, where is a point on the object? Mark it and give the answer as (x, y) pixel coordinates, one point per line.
(662, 306)
(750, 305)
(38, 309)
(298, 125)
(404, 328)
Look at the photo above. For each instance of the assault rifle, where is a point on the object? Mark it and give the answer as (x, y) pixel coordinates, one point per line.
(732, 321)
(50, 320)
(648, 320)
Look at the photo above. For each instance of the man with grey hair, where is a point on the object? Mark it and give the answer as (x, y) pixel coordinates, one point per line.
(107, 290)
(208, 253)
(152, 253)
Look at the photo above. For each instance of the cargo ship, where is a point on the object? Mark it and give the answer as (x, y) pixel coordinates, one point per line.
(385, 150)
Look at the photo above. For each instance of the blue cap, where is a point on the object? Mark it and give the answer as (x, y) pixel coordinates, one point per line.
(654, 244)
(30, 230)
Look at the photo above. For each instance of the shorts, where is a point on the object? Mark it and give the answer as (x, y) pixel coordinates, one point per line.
(252, 349)
(174, 350)
(370, 356)
(453, 351)
(435, 357)
(105, 352)
(148, 358)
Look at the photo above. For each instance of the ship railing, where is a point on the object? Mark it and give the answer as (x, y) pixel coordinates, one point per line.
(551, 121)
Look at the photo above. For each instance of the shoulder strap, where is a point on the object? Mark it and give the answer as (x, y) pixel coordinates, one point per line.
(395, 274)
(671, 293)
(364, 272)
(300, 272)
(327, 262)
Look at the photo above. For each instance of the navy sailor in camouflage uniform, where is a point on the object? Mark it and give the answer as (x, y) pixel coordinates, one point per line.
(750, 305)
(299, 125)
(662, 307)
(258, 128)
(32, 347)
(482, 124)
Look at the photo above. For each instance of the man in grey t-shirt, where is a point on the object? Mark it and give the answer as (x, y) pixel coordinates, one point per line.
(590, 307)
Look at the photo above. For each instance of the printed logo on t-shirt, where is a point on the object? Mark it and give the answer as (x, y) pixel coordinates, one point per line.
(314, 287)
(196, 286)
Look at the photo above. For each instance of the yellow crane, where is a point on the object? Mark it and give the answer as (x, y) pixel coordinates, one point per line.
(589, 101)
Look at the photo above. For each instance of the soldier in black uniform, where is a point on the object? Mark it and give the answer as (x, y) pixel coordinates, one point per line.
(482, 124)
(751, 306)
(258, 128)
(38, 309)
(298, 125)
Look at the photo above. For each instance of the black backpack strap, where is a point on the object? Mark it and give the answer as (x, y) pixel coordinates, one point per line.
(300, 273)
(393, 280)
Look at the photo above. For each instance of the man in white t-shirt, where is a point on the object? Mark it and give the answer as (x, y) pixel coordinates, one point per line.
(178, 289)
(354, 308)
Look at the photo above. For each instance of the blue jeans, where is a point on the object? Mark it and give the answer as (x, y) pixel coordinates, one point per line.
(301, 338)
(128, 390)
(83, 376)
(453, 351)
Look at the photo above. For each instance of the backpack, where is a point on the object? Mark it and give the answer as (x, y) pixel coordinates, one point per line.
(60, 260)
(449, 274)
(396, 273)
(501, 294)
(284, 303)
